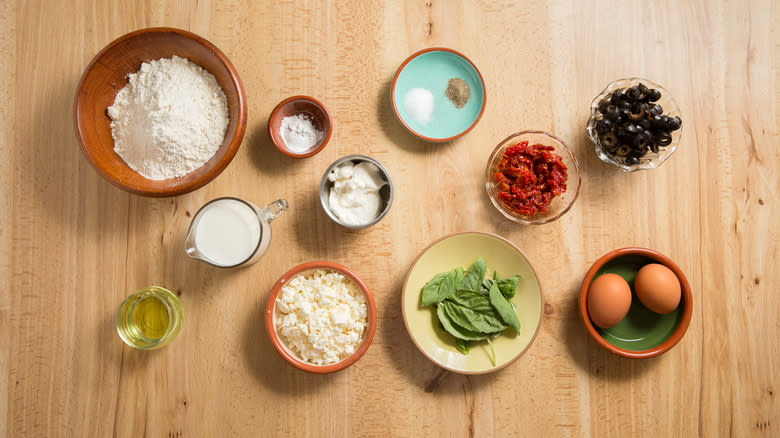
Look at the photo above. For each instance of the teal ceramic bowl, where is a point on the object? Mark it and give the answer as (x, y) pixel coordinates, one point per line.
(432, 69)
(642, 333)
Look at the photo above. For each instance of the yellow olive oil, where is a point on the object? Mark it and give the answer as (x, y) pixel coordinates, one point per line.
(149, 319)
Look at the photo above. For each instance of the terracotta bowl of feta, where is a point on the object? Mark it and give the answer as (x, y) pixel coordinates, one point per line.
(108, 73)
(320, 317)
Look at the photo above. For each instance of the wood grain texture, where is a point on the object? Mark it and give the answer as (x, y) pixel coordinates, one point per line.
(72, 246)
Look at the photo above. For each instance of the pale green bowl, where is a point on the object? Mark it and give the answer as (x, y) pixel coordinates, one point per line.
(432, 69)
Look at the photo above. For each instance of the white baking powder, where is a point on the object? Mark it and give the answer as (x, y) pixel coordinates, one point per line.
(169, 119)
(299, 133)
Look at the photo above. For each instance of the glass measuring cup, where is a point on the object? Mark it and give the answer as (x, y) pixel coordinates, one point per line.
(150, 318)
(230, 232)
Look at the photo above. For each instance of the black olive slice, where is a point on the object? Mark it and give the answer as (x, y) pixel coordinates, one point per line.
(640, 141)
(674, 123)
(663, 138)
(653, 95)
(633, 93)
(609, 139)
(604, 125)
(616, 97)
(658, 122)
(636, 115)
(612, 112)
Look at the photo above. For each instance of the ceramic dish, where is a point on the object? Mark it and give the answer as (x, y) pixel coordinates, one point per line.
(642, 333)
(462, 250)
(386, 192)
(107, 74)
(310, 107)
(270, 323)
(559, 204)
(650, 160)
(432, 69)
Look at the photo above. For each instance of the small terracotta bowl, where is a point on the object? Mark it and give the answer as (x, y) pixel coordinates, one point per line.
(642, 333)
(309, 106)
(107, 74)
(270, 323)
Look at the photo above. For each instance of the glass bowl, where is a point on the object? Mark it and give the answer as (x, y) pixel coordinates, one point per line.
(559, 204)
(650, 160)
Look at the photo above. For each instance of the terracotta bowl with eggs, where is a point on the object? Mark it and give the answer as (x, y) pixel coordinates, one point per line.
(635, 302)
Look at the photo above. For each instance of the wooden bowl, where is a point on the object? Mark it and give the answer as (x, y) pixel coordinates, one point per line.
(270, 323)
(642, 333)
(291, 106)
(107, 74)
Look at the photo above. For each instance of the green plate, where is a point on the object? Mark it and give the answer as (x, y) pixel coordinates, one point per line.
(432, 69)
(462, 250)
(642, 328)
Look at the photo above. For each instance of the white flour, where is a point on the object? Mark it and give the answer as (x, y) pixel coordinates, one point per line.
(169, 119)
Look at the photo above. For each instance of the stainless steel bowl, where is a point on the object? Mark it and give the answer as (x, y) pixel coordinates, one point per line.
(386, 192)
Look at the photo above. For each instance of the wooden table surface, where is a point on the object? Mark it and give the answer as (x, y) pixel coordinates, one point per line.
(72, 246)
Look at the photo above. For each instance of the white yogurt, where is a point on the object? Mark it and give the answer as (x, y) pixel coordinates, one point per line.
(228, 232)
(354, 197)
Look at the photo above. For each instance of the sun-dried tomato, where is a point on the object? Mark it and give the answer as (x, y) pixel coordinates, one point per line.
(529, 177)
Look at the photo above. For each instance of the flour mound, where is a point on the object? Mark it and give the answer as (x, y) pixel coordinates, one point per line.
(169, 119)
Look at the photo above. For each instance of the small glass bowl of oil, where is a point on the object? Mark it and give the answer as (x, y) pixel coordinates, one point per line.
(150, 318)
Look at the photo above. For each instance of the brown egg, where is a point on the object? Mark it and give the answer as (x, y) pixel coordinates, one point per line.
(609, 299)
(657, 288)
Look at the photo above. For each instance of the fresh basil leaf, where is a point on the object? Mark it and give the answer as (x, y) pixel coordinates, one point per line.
(473, 300)
(504, 308)
(454, 330)
(508, 286)
(495, 276)
(473, 278)
(486, 283)
(459, 273)
(462, 346)
(440, 287)
(468, 319)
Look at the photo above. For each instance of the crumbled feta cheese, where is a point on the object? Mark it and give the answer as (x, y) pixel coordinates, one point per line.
(321, 316)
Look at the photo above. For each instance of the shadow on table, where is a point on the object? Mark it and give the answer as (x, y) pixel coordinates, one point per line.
(316, 231)
(593, 358)
(266, 157)
(418, 370)
(269, 368)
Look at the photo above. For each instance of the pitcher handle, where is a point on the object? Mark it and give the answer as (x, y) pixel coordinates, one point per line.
(273, 210)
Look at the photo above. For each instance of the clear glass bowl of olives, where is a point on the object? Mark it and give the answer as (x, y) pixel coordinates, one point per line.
(635, 124)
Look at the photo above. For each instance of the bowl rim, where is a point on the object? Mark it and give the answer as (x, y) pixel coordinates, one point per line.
(686, 301)
(324, 185)
(405, 318)
(593, 114)
(398, 74)
(232, 148)
(316, 102)
(497, 204)
(277, 343)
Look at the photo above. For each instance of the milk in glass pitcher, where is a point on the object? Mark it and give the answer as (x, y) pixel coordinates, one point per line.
(231, 232)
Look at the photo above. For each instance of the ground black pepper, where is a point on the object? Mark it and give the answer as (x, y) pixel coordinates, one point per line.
(458, 92)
